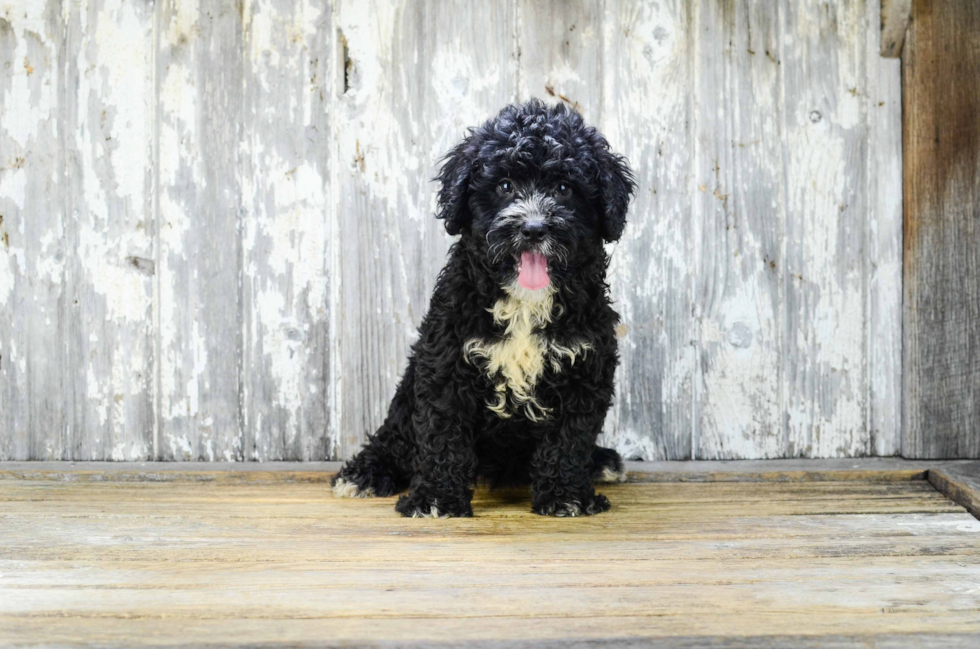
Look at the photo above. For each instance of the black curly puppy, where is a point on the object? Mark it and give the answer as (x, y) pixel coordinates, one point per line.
(512, 374)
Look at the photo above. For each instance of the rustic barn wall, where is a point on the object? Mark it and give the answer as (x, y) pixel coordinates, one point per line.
(216, 237)
(941, 70)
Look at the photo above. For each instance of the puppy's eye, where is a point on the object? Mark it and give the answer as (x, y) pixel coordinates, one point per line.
(564, 189)
(505, 187)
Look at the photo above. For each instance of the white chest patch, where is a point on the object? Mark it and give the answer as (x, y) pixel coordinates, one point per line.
(516, 362)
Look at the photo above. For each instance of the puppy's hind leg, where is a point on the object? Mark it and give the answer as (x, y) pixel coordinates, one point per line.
(383, 467)
(372, 472)
(607, 466)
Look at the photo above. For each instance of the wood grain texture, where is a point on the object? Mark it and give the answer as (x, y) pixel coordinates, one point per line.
(827, 269)
(186, 563)
(959, 483)
(253, 247)
(288, 216)
(647, 114)
(942, 226)
(894, 23)
(199, 273)
(742, 221)
(884, 249)
(561, 53)
(796, 470)
(109, 274)
(36, 399)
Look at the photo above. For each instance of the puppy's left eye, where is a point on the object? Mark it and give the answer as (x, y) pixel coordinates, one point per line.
(564, 189)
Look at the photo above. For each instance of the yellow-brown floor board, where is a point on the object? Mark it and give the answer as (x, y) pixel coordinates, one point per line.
(282, 562)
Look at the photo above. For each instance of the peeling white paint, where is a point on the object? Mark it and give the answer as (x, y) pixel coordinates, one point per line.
(96, 395)
(13, 182)
(126, 290)
(123, 55)
(722, 354)
(7, 276)
(23, 120)
(183, 26)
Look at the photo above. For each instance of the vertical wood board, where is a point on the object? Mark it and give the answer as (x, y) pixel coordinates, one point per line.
(36, 399)
(109, 273)
(200, 76)
(647, 114)
(287, 141)
(942, 228)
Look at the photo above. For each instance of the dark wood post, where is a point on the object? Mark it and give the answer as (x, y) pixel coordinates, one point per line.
(941, 141)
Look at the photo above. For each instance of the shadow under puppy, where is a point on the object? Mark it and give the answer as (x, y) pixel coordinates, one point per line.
(512, 374)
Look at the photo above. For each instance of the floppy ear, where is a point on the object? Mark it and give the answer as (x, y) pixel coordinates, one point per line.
(616, 187)
(453, 198)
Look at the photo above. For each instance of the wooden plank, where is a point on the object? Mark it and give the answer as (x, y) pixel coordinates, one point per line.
(413, 83)
(959, 483)
(227, 604)
(287, 138)
(337, 575)
(35, 397)
(894, 23)
(186, 563)
(742, 222)
(200, 77)
(942, 225)
(753, 228)
(883, 112)
(513, 633)
(873, 469)
(825, 359)
(37, 498)
(647, 112)
(109, 129)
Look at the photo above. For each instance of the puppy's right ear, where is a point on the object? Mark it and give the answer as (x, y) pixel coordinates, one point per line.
(454, 195)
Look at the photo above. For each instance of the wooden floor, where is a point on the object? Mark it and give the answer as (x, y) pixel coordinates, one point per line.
(272, 559)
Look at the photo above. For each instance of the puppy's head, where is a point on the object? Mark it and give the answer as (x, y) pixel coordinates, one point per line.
(536, 190)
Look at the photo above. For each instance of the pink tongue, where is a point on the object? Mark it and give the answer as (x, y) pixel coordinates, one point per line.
(534, 271)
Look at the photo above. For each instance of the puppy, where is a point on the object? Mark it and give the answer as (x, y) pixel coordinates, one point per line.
(512, 374)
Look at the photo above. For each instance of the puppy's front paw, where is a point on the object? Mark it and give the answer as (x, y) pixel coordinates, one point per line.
(422, 505)
(565, 508)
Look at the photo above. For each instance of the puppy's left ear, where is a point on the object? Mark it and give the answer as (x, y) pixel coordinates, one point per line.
(454, 195)
(616, 187)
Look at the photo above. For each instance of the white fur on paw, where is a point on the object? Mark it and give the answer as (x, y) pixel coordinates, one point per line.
(344, 489)
(568, 510)
(611, 475)
(432, 513)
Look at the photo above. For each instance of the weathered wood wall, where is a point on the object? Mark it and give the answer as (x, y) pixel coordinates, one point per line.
(217, 237)
(941, 84)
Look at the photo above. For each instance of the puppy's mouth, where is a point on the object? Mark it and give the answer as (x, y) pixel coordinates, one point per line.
(532, 271)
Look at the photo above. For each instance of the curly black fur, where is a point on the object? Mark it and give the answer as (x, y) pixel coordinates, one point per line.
(532, 166)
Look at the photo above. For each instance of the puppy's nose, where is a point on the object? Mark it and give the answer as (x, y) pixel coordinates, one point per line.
(534, 231)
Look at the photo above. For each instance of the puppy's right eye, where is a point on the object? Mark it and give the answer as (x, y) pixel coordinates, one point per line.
(505, 187)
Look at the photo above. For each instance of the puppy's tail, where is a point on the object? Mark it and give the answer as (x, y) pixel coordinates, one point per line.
(607, 466)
